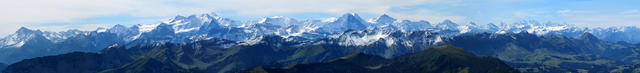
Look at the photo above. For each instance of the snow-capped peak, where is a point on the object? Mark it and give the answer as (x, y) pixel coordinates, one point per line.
(346, 22)
(146, 28)
(186, 28)
(471, 24)
(122, 30)
(278, 20)
(192, 19)
(192, 22)
(24, 30)
(118, 26)
(492, 25)
(385, 19)
(350, 17)
(361, 37)
(18, 38)
(446, 24)
(100, 29)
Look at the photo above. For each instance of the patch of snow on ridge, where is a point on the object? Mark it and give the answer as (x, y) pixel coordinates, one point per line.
(364, 40)
(251, 41)
(114, 45)
(147, 28)
(299, 32)
(101, 30)
(438, 40)
(10, 40)
(186, 30)
(390, 42)
(407, 43)
(372, 21)
(558, 28)
(263, 20)
(134, 37)
(19, 44)
(464, 29)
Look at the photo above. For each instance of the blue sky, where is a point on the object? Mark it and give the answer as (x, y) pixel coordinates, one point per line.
(60, 15)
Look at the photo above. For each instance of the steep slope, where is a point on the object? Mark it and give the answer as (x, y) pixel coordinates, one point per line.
(27, 43)
(75, 62)
(23, 34)
(385, 19)
(67, 63)
(447, 25)
(219, 55)
(3, 66)
(148, 65)
(443, 59)
(346, 22)
(212, 55)
(633, 68)
(531, 53)
(36, 43)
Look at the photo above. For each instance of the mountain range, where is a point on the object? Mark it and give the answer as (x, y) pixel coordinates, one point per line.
(210, 56)
(551, 54)
(210, 43)
(523, 51)
(442, 59)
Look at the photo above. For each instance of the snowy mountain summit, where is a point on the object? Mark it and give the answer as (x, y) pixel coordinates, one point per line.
(193, 27)
(346, 30)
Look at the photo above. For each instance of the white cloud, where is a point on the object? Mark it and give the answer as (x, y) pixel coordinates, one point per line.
(632, 11)
(563, 11)
(605, 20)
(573, 12)
(270, 7)
(521, 14)
(30, 13)
(595, 19)
(42, 11)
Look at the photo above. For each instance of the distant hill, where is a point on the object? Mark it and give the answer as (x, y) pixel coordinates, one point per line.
(551, 54)
(634, 68)
(148, 65)
(443, 59)
(76, 62)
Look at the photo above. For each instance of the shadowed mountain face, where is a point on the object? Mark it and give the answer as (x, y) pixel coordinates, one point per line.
(202, 56)
(76, 62)
(555, 54)
(633, 68)
(2, 66)
(149, 65)
(443, 59)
